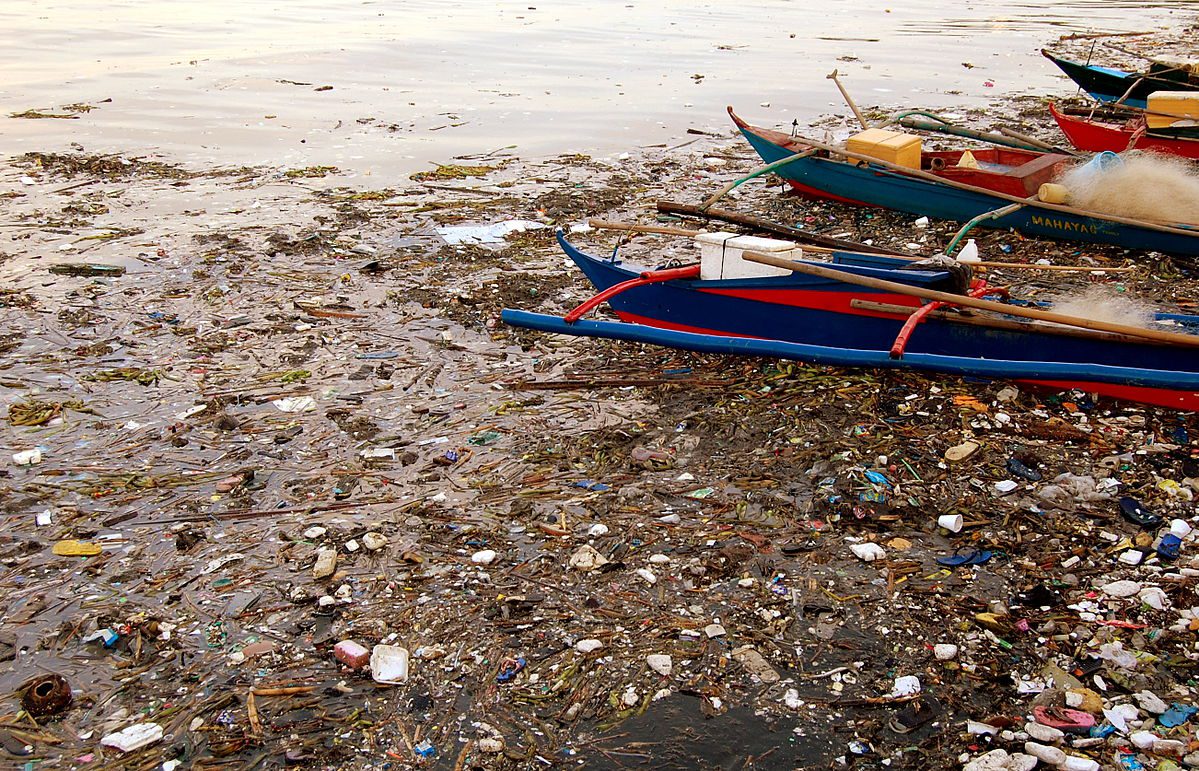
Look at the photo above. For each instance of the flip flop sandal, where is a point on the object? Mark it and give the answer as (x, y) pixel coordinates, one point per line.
(959, 558)
(1087, 666)
(1168, 546)
(1023, 470)
(979, 557)
(1137, 514)
(915, 714)
(1064, 719)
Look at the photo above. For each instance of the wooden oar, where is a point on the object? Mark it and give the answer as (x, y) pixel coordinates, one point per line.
(905, 171)
(971, 302)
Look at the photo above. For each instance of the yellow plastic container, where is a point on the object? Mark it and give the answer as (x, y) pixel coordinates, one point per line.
(1169, 107)
(892, 146)
(1052, 193)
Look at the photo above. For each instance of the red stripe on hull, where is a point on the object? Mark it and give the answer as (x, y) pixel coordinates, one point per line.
(646, 321)
(815, 193)
(834, 302)
(1161, 397)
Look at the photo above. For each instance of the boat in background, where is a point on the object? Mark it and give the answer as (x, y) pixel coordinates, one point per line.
(943, 189)
(1108, 84)
(1095, 135)
(823, 320)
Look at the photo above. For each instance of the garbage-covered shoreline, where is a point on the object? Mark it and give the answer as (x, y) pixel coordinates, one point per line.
(267, 436)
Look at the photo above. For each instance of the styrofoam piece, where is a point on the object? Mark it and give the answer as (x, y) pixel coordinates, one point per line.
(389, 664)
(134, 737)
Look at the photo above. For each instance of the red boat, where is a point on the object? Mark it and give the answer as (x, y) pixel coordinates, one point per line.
(1096, 136)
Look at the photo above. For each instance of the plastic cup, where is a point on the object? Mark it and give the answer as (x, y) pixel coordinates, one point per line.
(1180, 527)
(951, 522)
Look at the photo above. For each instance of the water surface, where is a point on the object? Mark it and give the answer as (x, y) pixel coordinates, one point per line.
(237, 82)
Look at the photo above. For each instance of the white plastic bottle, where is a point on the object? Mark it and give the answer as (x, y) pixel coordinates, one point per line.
(969, 252)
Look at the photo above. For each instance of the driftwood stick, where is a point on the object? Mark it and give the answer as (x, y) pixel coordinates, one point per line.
(599, 224)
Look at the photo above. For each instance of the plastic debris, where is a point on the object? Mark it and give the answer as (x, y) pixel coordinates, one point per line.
(134, 737)
(868, 552)
(73, 548)
(389, 664)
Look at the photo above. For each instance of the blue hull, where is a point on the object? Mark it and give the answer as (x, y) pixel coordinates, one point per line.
(874, 186)
(1108, 84)
(848, 357)
(816, 320)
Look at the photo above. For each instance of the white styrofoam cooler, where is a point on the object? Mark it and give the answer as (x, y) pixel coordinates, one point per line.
(720, 256)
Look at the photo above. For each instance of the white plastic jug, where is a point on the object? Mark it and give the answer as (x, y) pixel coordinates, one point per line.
(969, 252)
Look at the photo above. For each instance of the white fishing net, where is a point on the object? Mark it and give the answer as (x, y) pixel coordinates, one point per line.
(1104, 303)
(1137, 184)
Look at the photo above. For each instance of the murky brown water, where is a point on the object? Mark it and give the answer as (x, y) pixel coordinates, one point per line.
(414, 82)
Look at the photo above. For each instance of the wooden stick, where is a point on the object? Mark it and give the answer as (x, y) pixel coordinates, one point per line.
(287, 690)
(1096, 35)
(766, 226)
(848, 100)
(632, 228)
(905, 171)
(971, 302)
(1120, 111)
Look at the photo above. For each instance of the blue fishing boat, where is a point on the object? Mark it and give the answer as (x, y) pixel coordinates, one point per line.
(824, 320)
(941, 188)
(1108, 84)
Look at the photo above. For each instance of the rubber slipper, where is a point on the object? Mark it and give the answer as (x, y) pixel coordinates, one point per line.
(1064, 718)
(971, 557)
(1168, 546)
(1137, 514)
(979, 557)
(915, 714)
(1023, 470)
